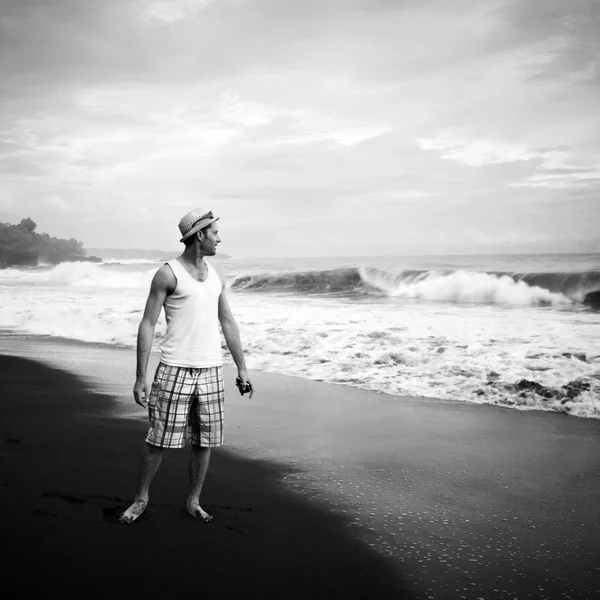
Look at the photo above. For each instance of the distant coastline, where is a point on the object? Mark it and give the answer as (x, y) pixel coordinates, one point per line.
(137, 253)
(22, 246)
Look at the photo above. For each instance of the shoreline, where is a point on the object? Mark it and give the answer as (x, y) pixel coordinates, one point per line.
(26, 339)
(433, 497)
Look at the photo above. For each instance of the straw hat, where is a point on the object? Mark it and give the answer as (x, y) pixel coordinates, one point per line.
(195, 220)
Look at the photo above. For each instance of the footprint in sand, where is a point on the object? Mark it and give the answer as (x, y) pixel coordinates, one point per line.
(110, 514)
(66, 497)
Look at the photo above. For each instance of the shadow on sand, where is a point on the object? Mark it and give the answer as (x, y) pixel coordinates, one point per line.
(68, 469)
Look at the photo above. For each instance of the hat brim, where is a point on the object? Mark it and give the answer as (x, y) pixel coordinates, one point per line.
(198, 226)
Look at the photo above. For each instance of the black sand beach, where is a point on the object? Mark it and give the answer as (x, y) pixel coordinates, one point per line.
(322, 491)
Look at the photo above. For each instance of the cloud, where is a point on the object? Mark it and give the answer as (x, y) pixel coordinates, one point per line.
(433, 119)
(561, 180)
(478, 152)
(550, 167)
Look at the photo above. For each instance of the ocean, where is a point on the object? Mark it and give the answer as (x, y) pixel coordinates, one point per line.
(506, 330)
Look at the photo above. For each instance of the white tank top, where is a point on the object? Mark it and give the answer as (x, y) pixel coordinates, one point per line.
(192, 312)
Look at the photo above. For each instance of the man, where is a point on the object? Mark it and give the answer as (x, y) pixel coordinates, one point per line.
(186, 399)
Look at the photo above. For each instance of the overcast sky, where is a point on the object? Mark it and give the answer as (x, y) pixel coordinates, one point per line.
(312, 127)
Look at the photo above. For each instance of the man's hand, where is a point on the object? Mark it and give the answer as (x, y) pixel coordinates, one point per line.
(140, 392)
(243, 383)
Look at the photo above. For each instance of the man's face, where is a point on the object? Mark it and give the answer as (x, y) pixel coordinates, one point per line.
(209, 240)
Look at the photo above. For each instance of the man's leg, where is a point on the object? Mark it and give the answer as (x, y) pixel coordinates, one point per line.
(149, 465)
(199, 459)
(205, 430)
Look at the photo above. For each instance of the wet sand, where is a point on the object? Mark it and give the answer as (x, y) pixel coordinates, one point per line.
(322, 491)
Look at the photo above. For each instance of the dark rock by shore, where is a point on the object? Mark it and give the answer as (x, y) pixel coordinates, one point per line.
(574, 388)
(566, 393)
(537, 388)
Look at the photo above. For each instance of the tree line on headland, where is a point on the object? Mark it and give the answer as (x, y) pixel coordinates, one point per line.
(21, 245)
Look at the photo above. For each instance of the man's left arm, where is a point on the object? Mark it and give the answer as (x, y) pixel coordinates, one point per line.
(231, 331)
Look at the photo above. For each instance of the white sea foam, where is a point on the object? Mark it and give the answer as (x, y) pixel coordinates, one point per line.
(428, 350)
(79, 274)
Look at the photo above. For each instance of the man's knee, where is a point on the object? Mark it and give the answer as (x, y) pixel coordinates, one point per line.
(153, 450)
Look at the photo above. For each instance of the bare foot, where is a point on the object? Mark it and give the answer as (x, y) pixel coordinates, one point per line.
(134, 512)
(199, 513)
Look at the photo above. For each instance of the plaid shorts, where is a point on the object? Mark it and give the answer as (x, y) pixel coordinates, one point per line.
(186, 404)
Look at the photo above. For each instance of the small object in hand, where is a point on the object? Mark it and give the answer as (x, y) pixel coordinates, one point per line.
(243, 389)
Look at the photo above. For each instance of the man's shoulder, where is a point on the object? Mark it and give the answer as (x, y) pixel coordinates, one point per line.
(165, 269)
(165, 276)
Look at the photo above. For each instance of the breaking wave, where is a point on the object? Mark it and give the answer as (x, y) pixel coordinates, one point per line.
(560, 289)
(536, 289)
(315, 282)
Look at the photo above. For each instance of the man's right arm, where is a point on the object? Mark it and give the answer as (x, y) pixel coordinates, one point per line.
(162, 285)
